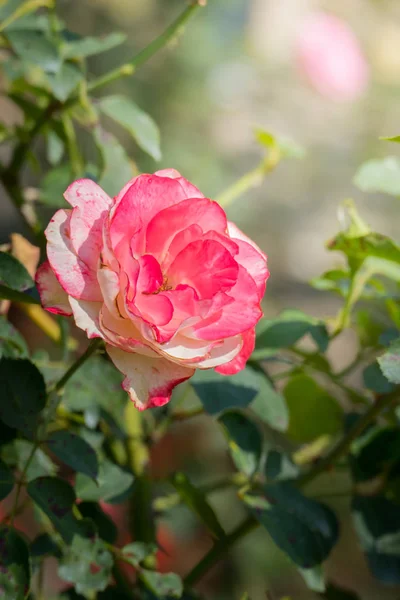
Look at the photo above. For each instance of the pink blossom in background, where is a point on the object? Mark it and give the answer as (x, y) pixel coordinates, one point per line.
(330, 57)
(158, 273)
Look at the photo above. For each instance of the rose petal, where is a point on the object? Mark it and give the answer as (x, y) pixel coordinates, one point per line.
(190, 190)
(149, 381)
(84, 192)
(206, 266)
(239, 362)
(86, 315)
(166, 223)
(251, 258)
(75, 277)
(52, 296)
(150, 276)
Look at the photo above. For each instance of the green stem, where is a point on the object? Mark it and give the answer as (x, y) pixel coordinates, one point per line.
(91, 349)
(129, 68)
(250, 180)
(219, 549)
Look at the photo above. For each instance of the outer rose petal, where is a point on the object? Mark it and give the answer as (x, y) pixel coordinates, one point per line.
(149, 381)
(250, 257)
(84, 193)
(86, 315)
(75, 277)
(239, 362)
(190, 190)
(52, 296)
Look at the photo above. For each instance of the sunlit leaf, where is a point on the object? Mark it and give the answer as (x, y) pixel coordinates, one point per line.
(112, 481)
(117, 168)
(89, 46)
(390, 362)
(162, 584)
(380, 175)
(87, 563)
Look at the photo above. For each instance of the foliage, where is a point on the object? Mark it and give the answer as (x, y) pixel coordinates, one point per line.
(71, 446)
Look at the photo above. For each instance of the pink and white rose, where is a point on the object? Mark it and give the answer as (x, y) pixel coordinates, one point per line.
(330, 57)
(160, 275)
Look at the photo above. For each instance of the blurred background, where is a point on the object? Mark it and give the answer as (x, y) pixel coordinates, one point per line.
(236, 68)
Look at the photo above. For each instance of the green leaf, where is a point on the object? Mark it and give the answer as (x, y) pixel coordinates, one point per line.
(278, 466)
(16, 10)
(105, 526)
(96, 384)
(377, 523)
(117, 168)
(112, 481)
(138, 123)
(17, 454)
(197, 502)
(136, 552)
(54, 185)
(314, 578)
(390, 362)
(35, 48)
(44, 545)
(380, 175)
(245, 441)
(335, 593)
(162, 584)
(63, 82)
(375, 380)
(56, 498)
(6, 480)
(13, 274)
(270, 405)
(90, 46)
(87, 564)
(12, 344)
(304, 529)
(23, 392)
(15, 572)
(218, 392)
(287, 329)
(375, 453)
(74, 452)
(55, 148)
(312, 411)
(7, 293)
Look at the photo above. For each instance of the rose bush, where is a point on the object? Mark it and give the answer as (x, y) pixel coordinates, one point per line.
(158, 273)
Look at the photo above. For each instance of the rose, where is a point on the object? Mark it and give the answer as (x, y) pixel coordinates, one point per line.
(160, 275)
(330, 57)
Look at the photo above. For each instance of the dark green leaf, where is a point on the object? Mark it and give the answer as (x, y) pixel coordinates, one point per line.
(87, 564)
(287, 329)
(65, 80)
(55, 497)
(196, 501)
(270, 405)
(304, 529)
(105, 526)
(89, 46)
(312, 411)
(377, 522)
(14, 560)
(12, 344)
(23, 392)
(376, 452)
(162, 584)
(7, 293)
(137, 552)
(375, 380)
(13, 274)
(218, 392)
(44, 545)
(35, 48)
(380, 175)
(244, 439)
(112, 482)
(390, 362)
(6, 480)
(74, 452)
(278, 466)
(335, 593)
(138, 123)
(117, 167)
